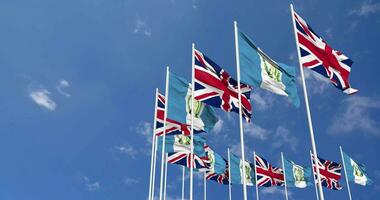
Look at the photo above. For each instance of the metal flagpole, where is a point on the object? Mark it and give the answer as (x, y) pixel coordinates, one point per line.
(192, 121)
(183, 182)
(153, 146)
(315, 184)
(166, 174)
(240, 109)
(154, 167)
(345, 173)
(204, 187)
(314, 148)
(229, 175)
(164, 136)
(283, 168)
(256, 185)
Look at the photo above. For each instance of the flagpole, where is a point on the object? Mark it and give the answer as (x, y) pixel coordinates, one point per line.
(345, 173)
(192, 121)
(153, 141)
(314, 148)
(283, 168)
(154, 167)
(315, 184)
(256, 185)
(229, 175)
(183, 182)
(166, 174)
(240, 109)
(164, 136)
(204, 187)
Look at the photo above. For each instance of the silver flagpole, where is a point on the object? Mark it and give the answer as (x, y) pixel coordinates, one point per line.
(192, 121)
(345, 173)
(154, 167)
(315, 184)
(153, 146)
(229, 175)
(166, 174)
(164, 136)
(256, 185)
(283, 168)
(204, 187)
(183, 182)
(307, 108)
(240, 109)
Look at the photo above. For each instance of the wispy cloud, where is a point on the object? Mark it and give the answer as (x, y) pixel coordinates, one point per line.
(127, 149)
(262, 100)
(130, 181)
(355, 114)
(273, 191)
(317, 83)
(41, 97)
(145, 129)
(141, 27)
(61, 86)
(218, 126)
(256, 131)
(283, 137)
(366, 8)
(91, 186)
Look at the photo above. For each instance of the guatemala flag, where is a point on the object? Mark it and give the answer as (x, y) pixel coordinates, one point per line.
(355, 172)
(259, 70)
(236, 166)
(179, 106)
(296, 175)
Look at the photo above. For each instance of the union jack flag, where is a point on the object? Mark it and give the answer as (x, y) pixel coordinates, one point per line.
(219, 178)
(267, 175)
(330, 173)
(184, 158)
(317, 55)
(172, 127)
(215, 87)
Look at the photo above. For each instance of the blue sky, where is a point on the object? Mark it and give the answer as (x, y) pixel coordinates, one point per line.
(78, 80)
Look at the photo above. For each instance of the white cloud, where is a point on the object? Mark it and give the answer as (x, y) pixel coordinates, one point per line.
(91, 186)
(315, 82)
(141, 27)
(283, 137)
(218, 126)
(130, 180)
(355, 114)
(367, 8)
(255, 131)
(61, 86)
(274, 191)
(127, 149)
(145, 129)
(262, 100)
(41, 98)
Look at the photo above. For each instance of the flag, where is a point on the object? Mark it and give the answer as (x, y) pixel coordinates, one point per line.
(330, 173)
(317, 55)
(355, 172)
(237, 171)
(219, 178)
(296, 175)
(179, 106)
(184, 159)
(214, 86)
(181, 143)
(217, 163)
(172, 127)
(259, 70)
(267, 175)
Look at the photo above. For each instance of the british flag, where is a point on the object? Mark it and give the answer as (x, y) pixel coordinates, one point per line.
(330, 173)
(267, 175)
(184, 159)
(215, 87)
(219, 178)
(172, 127)
(317, 55)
